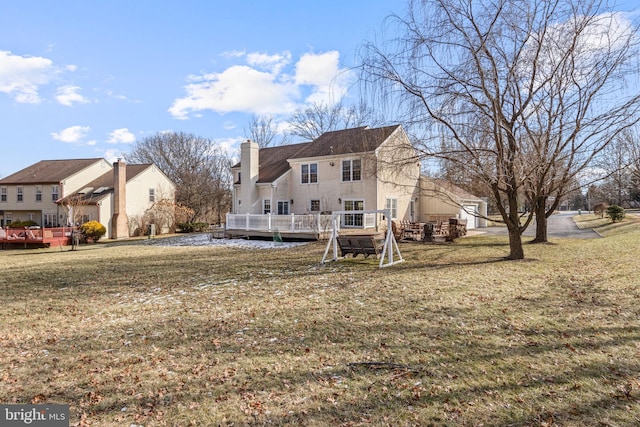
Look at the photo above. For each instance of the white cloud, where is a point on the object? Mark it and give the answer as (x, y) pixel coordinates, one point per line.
(71, 134)
(273, 63)
(67, 95)
(121, 136)
(238, 88)
(21, 76)
(265, 84)
(112, 155)
(230, 54)
(324, 74)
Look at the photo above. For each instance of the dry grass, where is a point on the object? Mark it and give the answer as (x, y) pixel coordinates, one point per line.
(133, 334)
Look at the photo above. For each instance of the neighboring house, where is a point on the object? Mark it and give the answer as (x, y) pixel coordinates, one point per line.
(441, 199)
(55, 193)
(289, 188)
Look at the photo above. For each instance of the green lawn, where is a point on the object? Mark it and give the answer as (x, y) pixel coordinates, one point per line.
(455, 336)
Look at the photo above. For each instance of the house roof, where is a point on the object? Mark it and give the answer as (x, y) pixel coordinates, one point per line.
(48, 171)
(274, 160)
(104, 183)
(347, 141)
(453, 189)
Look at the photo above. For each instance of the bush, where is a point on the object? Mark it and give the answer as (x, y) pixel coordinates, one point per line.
(93, 230)
(615, 212)
(18, 224)
(193, 227)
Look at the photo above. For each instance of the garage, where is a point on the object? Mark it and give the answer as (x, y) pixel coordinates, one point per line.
(469, 213)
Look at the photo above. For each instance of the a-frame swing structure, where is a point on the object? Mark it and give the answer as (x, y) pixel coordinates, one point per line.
(389, 248)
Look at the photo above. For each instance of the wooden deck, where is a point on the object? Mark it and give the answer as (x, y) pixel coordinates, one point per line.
(21, 238)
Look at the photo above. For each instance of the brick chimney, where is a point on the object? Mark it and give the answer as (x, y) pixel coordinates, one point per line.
(119, 221)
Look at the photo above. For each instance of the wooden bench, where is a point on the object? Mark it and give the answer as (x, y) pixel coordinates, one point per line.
(356, 245)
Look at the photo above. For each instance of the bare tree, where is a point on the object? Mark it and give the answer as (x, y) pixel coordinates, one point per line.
(524, 94)
(318, 118)
(615, 162)
(198, 166)
(264, 131)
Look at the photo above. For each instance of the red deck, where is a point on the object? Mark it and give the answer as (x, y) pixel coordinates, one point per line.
(35, 238)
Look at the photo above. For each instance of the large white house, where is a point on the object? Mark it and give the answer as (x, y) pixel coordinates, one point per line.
(117, 195)
(293, 188)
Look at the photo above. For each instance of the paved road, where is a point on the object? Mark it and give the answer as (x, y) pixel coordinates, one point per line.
(559, 225)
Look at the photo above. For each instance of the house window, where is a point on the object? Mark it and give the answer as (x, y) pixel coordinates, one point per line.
(20, 194)
(8, 218)
(309, 173)
(392, 205)
(31, 217)
(351, 170)
(266, 206)
(239, 176)
(55, 191)
(353, 220)
(50, 220)
(38, 194)
(315, 206)
(283, 207)
(152, 194)
(3, 194)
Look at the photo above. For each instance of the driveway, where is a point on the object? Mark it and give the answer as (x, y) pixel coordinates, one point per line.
(558, 225)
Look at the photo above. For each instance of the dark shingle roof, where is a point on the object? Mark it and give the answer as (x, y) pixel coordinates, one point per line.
(356, 140)
(48, 171)
(273, 160)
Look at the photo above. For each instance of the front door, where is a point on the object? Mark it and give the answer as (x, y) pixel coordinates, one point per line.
(283, 207)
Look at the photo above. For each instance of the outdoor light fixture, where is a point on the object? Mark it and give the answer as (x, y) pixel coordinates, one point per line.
(291, 201)
(331, 164)
(339, 200)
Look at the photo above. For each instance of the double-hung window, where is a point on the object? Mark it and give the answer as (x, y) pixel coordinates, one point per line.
(392, 205)
(309, 173)
(38, 193)
(55, 191)
(20, 194)
(3, 194)
(152, 195)
(315, 205)
(351, 170)
(266, 206)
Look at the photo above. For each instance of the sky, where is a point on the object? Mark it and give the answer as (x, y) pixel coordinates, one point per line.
(84, 79)
(89, 78)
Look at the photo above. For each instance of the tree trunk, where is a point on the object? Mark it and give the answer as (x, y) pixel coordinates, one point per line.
(516, 251)
(541, 220)
(512, 220)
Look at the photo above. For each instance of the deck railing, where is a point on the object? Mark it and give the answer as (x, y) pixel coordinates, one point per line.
(59, 235)
(303, 223)
(284, 223)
